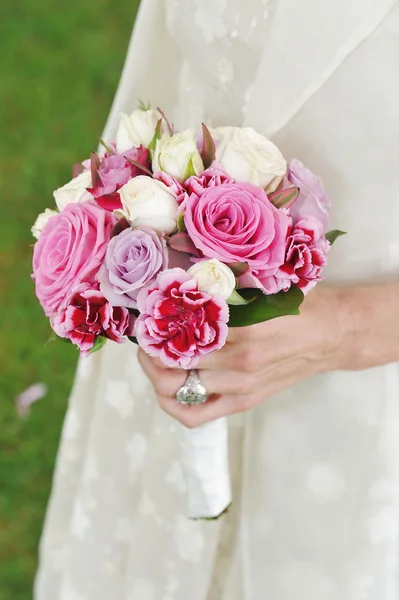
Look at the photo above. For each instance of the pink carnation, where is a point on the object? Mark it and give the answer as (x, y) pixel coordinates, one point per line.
(209, 178)
(172, 183)
(114, 171)
(87, 315)
(70, 250)
(305, 258)
(178, 323)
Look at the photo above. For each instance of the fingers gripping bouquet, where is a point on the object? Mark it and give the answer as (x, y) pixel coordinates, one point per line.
(170, 238)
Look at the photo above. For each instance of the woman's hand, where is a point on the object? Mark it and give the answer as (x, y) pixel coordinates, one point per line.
(338, 329)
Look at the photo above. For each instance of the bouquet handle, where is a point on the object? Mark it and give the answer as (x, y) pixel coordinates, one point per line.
(205, 461)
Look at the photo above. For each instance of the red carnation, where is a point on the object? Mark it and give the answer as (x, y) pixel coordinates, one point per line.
(178, 323)
(88, 315)
(305, 258)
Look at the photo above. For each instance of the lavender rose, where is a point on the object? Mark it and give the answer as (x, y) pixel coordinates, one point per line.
(312, 200)
(133, 259)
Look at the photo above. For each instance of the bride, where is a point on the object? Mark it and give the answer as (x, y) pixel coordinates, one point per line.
(315, 462)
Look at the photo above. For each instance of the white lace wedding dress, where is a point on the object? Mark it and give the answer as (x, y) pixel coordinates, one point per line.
(316, 468)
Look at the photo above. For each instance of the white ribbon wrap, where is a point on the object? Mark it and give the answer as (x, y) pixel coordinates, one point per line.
(205, 461)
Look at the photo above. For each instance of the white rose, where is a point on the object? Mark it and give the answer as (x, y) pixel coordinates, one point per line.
(148, 202)
(73, 191)
(213, 277)
(248, 156)
(41, 221)
(178, 155)
(136, 129)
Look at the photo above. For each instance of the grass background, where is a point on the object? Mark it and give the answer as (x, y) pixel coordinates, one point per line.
(59, 67)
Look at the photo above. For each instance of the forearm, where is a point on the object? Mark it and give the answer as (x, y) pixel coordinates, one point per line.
(369, 325)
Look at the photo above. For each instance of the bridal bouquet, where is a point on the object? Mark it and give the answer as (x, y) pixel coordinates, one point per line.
(167, 239)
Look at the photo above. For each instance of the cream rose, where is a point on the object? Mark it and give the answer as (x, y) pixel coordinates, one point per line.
(249, 157)
(73, 191)
(148, 202)
(178, 155)
(41, 221)
(136, 129)
(213, 277)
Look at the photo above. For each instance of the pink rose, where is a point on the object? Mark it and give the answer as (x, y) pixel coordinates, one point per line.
(87, 315)
(70, 251)
(306, 256)
(312, 199)
(113, 173)
(235, 222)
(178, 323)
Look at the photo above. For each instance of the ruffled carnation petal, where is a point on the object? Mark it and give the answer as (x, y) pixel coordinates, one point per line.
(86, 314)
(178, 323)
(305, 259)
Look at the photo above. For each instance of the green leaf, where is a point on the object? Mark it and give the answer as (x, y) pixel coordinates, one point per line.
(53, 337)
(236, 300)
(285, 197)
(263, 308)
(133, 339)
(157, 136)
(181, 228)
(143, 105)
(190, 171)
(331, 236)
(208, 147)
(100, 341)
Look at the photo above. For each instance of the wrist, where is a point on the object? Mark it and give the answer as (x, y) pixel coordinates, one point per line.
(367, 324)
(337, 327)
(352, 317)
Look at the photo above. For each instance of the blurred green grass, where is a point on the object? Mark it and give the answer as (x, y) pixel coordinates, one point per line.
(59, 67)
